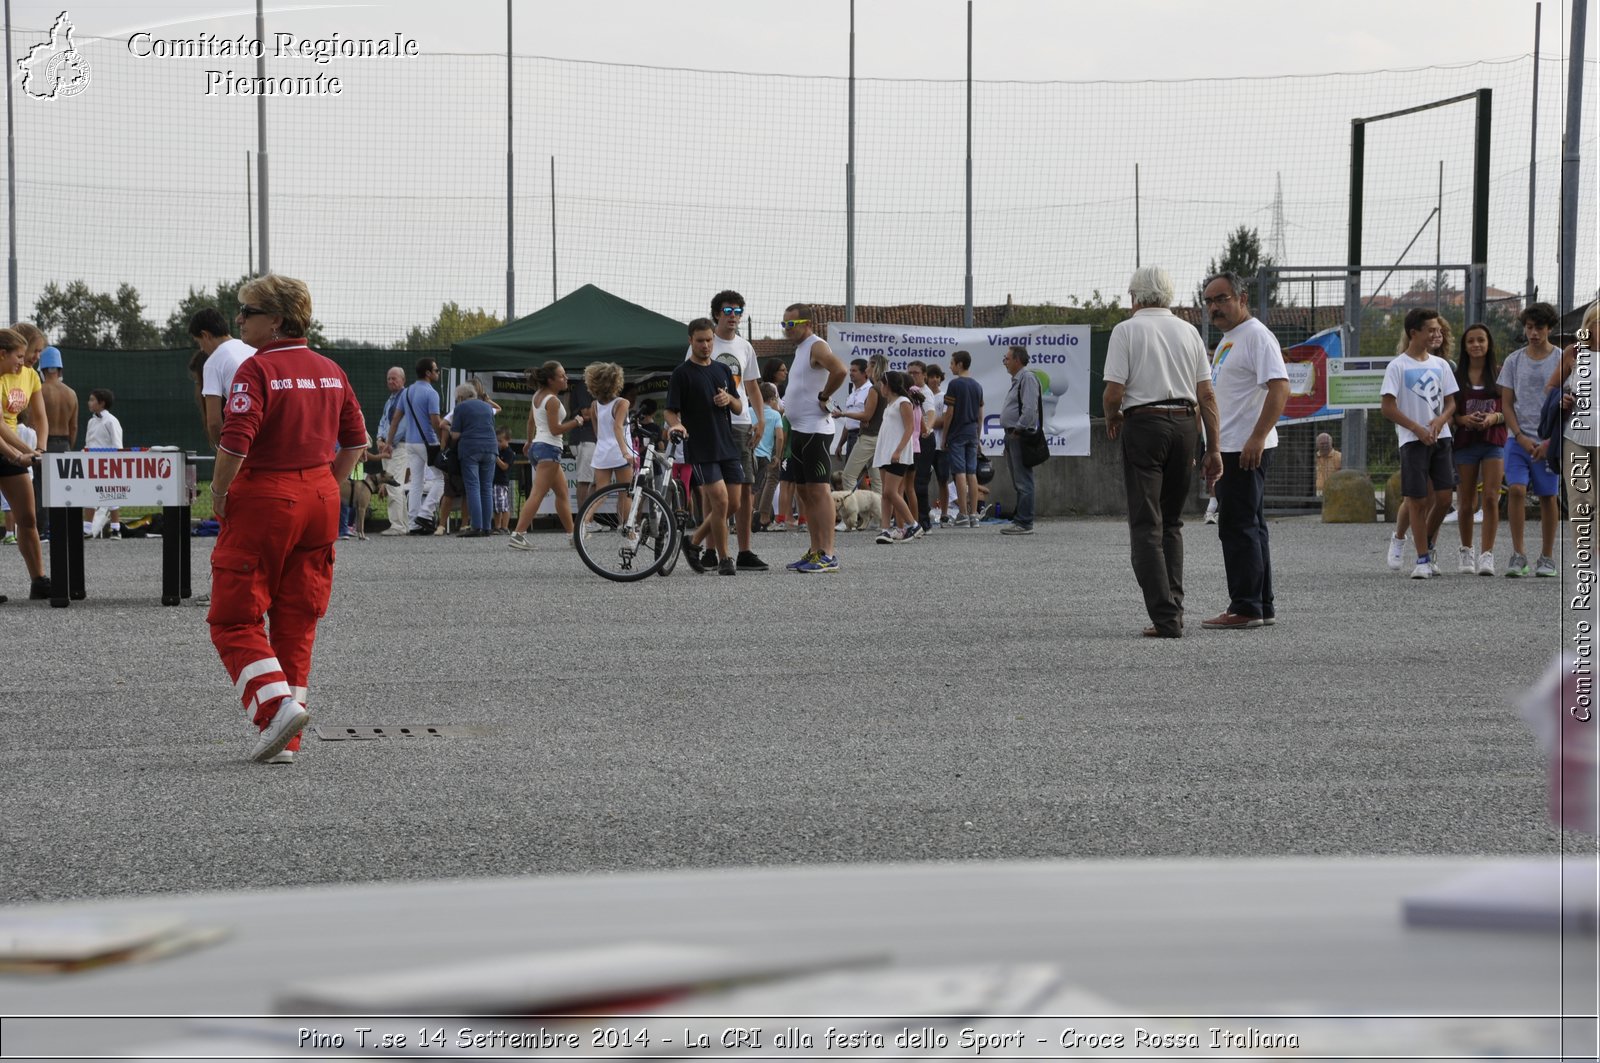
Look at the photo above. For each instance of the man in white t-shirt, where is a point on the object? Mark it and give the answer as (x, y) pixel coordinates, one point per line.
(735, 352)
(1419, 397)
(224, 356)
(1252, 386)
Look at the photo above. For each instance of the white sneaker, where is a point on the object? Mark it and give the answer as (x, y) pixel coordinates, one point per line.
(290, 719)
(1397, 549)
(1451, 517)
(1486, 563)
(1424, 570)
(591, 528)
(972, 521)
(519, 542)
(285, 757)
(1466, 563)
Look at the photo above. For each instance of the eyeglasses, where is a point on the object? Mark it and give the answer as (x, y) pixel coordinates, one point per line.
(734, 311)
(796, 321)
(247, 310)
(1218, 300)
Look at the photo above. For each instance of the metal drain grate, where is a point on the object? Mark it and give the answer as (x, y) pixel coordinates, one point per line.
(348, 732)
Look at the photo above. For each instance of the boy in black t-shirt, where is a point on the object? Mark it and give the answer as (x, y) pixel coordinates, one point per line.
(701, 402)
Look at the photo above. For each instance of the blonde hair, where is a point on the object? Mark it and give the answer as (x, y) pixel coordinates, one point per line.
(31, 335)
(603, 379)
(287, 297)
(12, 339)
(1591, 322)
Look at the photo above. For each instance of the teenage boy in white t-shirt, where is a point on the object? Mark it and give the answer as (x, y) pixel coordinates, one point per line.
(224, 356)
(1419, 397)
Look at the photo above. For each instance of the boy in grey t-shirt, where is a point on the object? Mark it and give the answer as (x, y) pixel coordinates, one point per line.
(1522, 382)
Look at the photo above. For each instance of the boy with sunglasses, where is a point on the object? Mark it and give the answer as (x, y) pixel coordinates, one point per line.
(734, 351)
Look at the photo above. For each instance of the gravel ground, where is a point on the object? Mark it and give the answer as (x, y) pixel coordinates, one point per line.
(964, 697)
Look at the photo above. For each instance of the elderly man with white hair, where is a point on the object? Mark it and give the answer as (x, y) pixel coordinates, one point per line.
(1158, 391)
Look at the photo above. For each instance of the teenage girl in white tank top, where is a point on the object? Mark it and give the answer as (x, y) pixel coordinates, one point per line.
(547, 423)
(613, 455)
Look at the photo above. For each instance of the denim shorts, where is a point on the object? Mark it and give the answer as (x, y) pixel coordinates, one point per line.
(1523, 471)
(543, 452)
(963, 454)
(1478, 453)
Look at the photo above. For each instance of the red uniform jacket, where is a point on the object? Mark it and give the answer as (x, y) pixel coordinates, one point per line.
(287, 407)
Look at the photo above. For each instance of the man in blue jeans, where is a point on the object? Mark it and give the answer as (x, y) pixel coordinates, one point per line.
(963, 414)
(1020, 414)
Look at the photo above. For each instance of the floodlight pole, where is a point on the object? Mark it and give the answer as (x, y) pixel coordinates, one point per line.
(11, 173)
(966, 313)
(1529, 290)
(850, 185)
(1570, 156)
(553, 289)
(1354, 433)
(1136, 238)
(261, 139)
(511, 271)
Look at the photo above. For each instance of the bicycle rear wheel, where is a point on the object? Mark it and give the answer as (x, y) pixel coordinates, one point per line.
(631, 552)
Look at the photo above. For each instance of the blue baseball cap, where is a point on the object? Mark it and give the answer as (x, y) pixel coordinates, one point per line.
(50, 358)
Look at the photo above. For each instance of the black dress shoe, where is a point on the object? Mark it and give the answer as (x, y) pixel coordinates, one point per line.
(1153, 632)
(39, 590)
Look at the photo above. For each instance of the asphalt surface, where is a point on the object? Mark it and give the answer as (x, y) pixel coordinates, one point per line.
(969, 696)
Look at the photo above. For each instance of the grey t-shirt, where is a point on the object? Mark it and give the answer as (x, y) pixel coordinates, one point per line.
(1528, 379)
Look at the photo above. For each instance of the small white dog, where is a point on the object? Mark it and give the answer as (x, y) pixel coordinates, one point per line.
(858, 509)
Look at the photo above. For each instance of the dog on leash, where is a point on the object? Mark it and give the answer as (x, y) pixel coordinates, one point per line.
(357, 494)
(857, 509)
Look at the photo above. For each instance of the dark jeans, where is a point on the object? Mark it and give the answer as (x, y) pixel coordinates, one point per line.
(1242, 528)
(477, 479)
(927, 465)
(1021, 480)
(1157, 466)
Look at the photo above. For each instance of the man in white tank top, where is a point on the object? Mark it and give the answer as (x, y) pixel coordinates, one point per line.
(813, 378)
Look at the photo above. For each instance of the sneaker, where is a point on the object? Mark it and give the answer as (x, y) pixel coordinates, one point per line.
(887, 537)
(985, 511)
(1546, 566)
(591, 528)
(820, 563)
(973, 520)
(285, 757)
(1424, 569)
(1518, 567)
(518, 541)
(1017, 529)
(1231, 622)
(1397, 549)
(1466, 563)
(1211, 516)
(805, 559)
(749, 562)
(10, 539)
(1451, 517)
(840, 527)
(695, 557)
(727, 567)
(290, 719)
(39, 589)
(1486, 563)
(915, 531)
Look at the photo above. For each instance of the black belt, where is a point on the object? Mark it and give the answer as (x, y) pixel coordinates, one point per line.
(1174, 410)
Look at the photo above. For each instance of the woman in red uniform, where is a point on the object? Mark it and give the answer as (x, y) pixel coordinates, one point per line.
(276, 492)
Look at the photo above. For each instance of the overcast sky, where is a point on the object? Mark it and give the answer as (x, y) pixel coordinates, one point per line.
(1022, 39)
(390, 198)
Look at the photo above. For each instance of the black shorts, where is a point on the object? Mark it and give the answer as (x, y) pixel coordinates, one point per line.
(710, 472)
(809, 460)
(8, 469)
(897, 468)
(1421, 465)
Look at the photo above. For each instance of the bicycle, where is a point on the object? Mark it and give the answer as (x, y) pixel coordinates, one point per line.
(649, 541)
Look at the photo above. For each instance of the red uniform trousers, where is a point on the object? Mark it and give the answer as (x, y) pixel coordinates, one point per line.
(273, 560)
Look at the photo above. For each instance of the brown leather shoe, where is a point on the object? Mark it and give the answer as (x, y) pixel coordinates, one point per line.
(1231, 622)
(1153, 632)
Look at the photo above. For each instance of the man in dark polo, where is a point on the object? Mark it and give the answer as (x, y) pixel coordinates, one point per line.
(1157, 383)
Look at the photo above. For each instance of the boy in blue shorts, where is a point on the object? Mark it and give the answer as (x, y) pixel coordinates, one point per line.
(1522, 386)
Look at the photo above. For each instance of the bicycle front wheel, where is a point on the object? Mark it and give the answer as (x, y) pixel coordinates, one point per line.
(679, 509)
(631, 550)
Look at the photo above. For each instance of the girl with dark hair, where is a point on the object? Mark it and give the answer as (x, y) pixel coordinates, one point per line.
(1480, 445)
(547, 423)
(894, 454)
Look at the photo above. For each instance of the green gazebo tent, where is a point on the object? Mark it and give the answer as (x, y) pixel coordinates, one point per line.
(589, 325)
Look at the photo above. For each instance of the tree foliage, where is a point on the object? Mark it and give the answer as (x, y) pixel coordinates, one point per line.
(1243, 255)
(1095, 312)
(76, 316)
(451, 326)
(225, 298)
